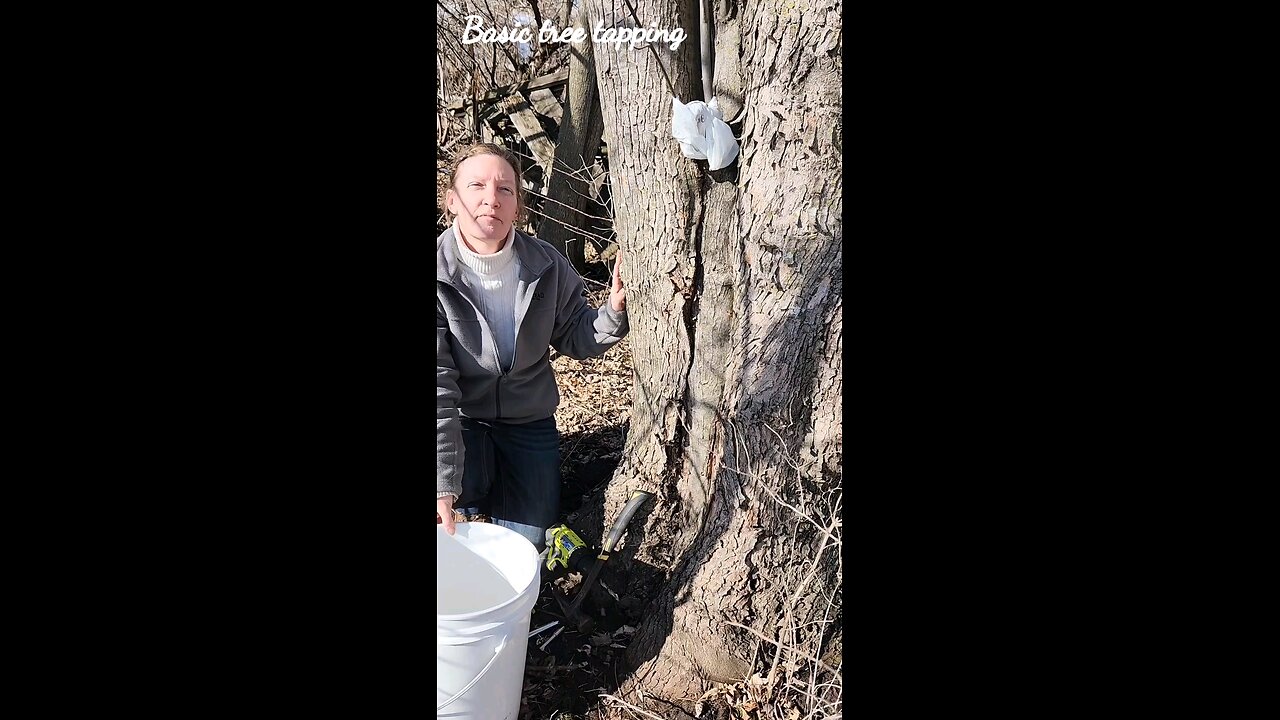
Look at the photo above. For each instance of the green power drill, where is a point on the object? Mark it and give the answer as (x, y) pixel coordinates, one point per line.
(563, 546)
(566, 549)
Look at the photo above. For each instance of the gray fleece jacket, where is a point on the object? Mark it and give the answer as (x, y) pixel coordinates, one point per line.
(551, 311)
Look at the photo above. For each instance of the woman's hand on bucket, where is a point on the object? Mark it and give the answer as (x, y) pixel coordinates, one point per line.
(444, 513)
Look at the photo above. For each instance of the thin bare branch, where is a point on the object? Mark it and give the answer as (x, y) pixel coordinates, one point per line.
(806, 656)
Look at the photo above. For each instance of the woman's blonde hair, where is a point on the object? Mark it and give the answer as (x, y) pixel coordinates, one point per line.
(485, 149)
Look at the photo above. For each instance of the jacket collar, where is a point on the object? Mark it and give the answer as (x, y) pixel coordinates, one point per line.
(533, 257)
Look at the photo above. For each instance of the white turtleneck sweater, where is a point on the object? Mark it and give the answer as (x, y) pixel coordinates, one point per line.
(492, 279)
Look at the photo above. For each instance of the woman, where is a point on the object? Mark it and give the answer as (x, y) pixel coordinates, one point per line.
(503, 297)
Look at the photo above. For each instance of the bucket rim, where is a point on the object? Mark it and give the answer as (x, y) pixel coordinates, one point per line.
(518, 597)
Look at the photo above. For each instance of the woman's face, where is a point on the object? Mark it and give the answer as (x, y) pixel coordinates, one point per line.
(483, 197)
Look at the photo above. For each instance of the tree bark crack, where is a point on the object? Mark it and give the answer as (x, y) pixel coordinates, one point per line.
(692, 292)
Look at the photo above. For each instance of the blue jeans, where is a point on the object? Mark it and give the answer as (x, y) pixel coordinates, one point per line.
(512, 474)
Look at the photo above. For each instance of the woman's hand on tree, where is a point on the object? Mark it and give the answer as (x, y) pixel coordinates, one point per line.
(618, 293)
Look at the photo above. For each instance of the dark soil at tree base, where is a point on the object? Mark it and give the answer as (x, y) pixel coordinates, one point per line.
(568, 675)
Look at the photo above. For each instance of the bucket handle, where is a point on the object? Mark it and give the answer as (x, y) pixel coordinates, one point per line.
(496, 652)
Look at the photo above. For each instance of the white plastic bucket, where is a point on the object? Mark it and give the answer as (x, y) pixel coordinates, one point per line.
(486, 585)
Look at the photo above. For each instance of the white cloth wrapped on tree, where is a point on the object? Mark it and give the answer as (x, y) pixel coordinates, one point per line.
(703, 133)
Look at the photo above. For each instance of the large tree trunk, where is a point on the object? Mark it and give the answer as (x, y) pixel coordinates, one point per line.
(733, 280)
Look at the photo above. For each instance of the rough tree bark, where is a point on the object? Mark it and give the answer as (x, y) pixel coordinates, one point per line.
(734, 280)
